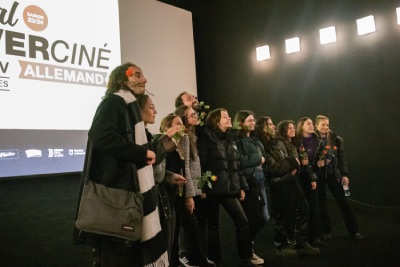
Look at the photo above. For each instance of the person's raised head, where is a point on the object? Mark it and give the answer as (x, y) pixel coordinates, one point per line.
(147, 109)
(218, 119)
(188, 115)
(246, 118)
(285, 130)
(127, 77)
(304, 127)
(186, 99)
(168, 122)
(322, 124)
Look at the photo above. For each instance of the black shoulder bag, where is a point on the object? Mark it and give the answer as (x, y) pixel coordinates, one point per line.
(110, 211)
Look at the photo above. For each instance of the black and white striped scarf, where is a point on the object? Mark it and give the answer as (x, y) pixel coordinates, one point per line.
(152, 245)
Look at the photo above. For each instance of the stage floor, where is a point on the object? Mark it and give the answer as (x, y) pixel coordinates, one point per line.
(36, 217)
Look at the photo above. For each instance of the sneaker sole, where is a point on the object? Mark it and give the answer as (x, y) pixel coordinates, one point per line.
(257, 262)
(185, 263)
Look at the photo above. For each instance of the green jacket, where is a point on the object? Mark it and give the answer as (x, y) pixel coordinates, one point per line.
(249, 155)
(281, 158)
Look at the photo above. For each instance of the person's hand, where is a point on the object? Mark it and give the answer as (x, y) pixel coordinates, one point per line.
(173, 130)
(294, 172)
(298, 161)
(242, 195)
(203, 196)
(327, 162)
(262, 160)
(313, 185)
(304, 161)
(320, 163)
(189, 203)
(150, 158)
(345, 181)
(179, 179)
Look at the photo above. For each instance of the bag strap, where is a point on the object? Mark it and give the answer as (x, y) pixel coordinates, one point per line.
(89, 161)
(129, 132)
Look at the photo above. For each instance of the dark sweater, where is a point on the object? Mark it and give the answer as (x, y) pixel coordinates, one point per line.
(308, 143)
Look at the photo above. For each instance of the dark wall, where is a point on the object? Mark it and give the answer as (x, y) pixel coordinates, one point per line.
(355, 81)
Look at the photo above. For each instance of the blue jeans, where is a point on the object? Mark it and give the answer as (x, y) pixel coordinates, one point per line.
(260, 179)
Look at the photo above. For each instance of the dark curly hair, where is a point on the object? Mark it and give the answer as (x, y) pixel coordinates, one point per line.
(117, 78)
(282, 129)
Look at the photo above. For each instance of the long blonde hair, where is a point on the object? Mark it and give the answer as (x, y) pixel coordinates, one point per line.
(166, 122)
(317, 120)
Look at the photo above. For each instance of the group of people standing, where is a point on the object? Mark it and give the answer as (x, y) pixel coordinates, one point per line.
(197, 169)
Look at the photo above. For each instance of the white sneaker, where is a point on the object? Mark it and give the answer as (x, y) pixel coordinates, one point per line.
(185, 262)
(210, 261)
(256, 260)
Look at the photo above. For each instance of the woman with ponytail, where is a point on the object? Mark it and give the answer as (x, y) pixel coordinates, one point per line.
(334, 175)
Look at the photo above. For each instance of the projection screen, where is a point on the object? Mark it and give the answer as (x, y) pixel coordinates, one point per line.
(55, 59)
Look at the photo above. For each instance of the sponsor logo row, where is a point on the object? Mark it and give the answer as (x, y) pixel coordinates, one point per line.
(36, 153)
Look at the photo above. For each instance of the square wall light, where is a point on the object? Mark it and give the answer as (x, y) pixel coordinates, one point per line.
(398, 15)
(292, 45)
(327, 35)
(263, 53)
(366, 25)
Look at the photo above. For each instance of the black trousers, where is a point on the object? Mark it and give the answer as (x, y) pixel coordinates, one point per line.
(235, 211)
(253, 207)
(336, 189)
(113, 260)
(290, 213)
(312, 197)
(188, 223)
(166, 209)
(185, 239)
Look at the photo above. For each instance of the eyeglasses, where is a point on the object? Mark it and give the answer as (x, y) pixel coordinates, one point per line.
(193, 115)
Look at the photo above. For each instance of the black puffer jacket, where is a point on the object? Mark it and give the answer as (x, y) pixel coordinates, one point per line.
(218, 154)
(338, 157)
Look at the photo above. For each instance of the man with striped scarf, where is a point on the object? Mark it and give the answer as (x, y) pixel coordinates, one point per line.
(112, 156)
